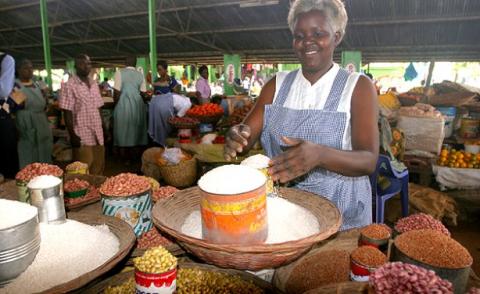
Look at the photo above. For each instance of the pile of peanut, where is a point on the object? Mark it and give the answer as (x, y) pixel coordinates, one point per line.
(125, 184)
(38, 169)
(155, 260)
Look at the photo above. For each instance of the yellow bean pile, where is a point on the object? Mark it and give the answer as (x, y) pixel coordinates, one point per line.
(155, 260)
(193, 280)
(126, 288)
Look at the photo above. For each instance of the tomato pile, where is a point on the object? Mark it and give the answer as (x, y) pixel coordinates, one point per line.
(205, 110)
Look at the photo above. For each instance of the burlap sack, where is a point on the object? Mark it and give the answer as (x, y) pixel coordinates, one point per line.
(427, 200)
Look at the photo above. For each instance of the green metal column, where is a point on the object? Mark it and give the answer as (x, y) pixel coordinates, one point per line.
(152, 28)
(46, 42)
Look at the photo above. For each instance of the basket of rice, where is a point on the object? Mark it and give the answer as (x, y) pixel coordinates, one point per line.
(302, 219)
(177, 168)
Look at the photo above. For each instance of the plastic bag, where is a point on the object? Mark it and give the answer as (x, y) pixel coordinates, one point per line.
(456, 178)
(173, 155)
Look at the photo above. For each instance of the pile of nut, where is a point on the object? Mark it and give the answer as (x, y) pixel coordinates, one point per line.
(38, 169)
(76, 166)
(125, 184)
(399, 277)
(75, 185)
(420, 221)
(194, 280)
(155, 260)
(163, 192)
(152, 238)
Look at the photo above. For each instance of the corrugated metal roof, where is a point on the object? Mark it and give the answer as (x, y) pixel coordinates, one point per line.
(201, 31)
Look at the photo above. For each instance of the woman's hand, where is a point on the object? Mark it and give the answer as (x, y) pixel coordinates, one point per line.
(299, 158)
(236, 140)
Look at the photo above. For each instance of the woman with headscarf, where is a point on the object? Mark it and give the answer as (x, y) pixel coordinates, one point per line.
(35, 141)
(318, 124)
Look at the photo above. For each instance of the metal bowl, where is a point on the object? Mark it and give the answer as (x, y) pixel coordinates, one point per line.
(18, 249)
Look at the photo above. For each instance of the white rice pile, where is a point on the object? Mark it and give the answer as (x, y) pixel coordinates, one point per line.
(257, 161)
(231, 179)
(286, 222)
(44, 182)
(67, 251)
(13, 213)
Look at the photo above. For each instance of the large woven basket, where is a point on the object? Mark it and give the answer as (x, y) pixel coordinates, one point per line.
(181, 175)
(170, 214)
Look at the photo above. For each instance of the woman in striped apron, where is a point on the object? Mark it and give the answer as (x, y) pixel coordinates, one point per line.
(318, 124)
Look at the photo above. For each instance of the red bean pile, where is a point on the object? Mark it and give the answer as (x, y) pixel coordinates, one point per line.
(474, 291)
(377, 231)
(399, 277)
(163, 192)
(369, 256)
(420, 221)
(91, 194)
(125, 184)
(75, 185)
(152, 238)
(433, 248)
(38, 169)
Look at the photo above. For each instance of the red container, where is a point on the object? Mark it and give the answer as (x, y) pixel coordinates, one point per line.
(164, 283)
(360, 272)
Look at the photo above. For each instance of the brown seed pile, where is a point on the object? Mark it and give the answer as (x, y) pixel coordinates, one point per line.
(323, 268)
(433, 248)
(194, 280)
(38, 169)
(75, 185)
(377, 231)
(163, 192)
(399, 278)
(420, 221)
(125, 184)
(152, 238)
(369, 256)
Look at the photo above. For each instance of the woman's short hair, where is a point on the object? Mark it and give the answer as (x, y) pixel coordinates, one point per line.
(334, 11)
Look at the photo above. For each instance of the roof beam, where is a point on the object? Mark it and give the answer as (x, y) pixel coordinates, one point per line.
(125, 15)
(23, 5)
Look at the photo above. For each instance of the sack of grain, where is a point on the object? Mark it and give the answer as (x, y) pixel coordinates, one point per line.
(422, 133)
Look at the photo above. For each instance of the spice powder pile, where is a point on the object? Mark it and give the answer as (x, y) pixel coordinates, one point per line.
(369, 256)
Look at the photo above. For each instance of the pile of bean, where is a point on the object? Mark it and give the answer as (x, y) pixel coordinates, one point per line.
(377, 231)
(126, 288)
(163, 192)
(473, 291)
(125, 184)
(152, 238)
(75, 166)
(420, 221)
(75, 185)
(194, 280)
(38, 169)
(399, 277)
(319, 269)
(155, 260)
(369, 256)
(433, 248)
(91, 194)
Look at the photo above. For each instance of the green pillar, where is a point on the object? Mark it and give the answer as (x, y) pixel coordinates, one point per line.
(70, 66)
(189, 72)
(46, 41)
(152, 26)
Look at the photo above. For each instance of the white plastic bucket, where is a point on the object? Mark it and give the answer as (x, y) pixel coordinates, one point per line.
(449, 113)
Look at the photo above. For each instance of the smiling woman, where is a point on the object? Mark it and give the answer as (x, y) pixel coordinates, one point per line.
(319, 123)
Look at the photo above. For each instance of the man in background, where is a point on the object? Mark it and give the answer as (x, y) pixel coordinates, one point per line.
(81, 102)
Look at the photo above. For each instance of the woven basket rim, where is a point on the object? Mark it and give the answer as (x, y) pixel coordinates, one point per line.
(287, 246)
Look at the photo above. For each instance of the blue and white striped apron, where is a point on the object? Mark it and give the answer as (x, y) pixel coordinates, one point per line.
(352, 195)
